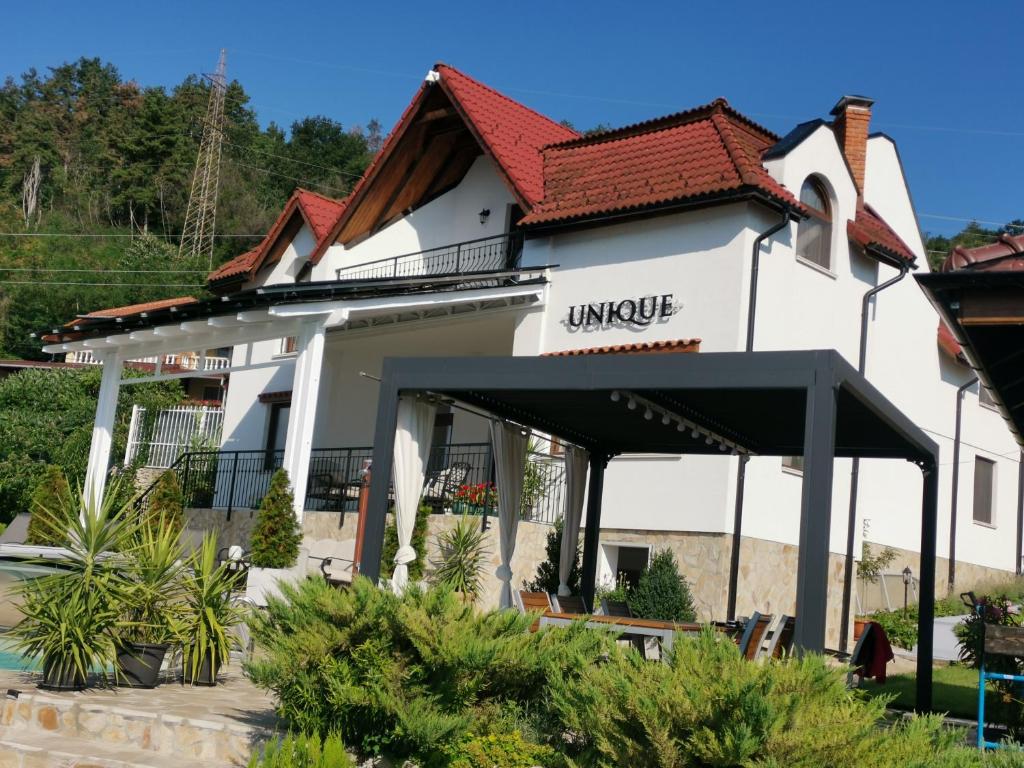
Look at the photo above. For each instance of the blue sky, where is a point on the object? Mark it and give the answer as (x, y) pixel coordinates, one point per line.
(944, 74)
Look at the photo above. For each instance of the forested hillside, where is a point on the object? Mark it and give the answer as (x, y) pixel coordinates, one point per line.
(86, 153)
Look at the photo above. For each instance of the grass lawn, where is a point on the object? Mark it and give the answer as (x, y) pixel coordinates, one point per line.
(954, 690)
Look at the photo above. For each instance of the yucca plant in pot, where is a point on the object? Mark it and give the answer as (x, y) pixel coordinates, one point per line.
(71, 617)
(209, 613)
(150, 621)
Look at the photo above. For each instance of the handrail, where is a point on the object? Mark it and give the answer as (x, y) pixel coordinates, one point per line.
(507, 239)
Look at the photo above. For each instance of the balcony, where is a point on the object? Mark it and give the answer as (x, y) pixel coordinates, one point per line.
(238, 480)
(188, 361)
(486, 254)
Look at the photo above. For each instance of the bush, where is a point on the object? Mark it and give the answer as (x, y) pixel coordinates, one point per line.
(462, 558)
(52, 502)
(900, 626)
(500, 750)
(166, 502)
(303, 751)
(419, 543)
(277, 534)
(546, 579)
(409, 676)
(710, 707)
(662, 592)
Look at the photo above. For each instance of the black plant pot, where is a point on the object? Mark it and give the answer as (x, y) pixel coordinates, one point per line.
(59, 674)
(205, 674)
(138, 664)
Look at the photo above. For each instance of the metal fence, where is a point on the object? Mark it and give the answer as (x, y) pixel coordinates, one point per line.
(157, 439)
(481, 255)
(459, 479)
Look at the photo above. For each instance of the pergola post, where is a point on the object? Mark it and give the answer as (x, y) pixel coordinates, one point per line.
(380, 480)
(815, 515)
(302, 419)
(592, 534)
(926, 595)
(103, 430)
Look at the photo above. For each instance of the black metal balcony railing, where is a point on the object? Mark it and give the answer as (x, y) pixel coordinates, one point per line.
(482, 255)
(232, 480)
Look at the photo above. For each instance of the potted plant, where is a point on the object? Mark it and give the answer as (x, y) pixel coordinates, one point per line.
(71, 617)
(149, 622)
(870, 568)
(463, 556)
(209, 614)
(274, 543)
(474, 498)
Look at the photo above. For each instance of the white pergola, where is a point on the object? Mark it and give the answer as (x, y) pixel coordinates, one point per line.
(271, 314)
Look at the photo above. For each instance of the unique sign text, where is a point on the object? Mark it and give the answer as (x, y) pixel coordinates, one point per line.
(641, 311)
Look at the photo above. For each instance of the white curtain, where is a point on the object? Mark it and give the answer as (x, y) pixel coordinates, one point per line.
(412, 451)
(577, 461)
(509, 465)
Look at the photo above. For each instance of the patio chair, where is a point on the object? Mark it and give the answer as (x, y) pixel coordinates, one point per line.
(858, 658)
(781, 640)
(531, 601)
(236, 558)
(332, 488)
(336, 560)
(441, 485)
(615, 608)
(753, 634)
(570, 604)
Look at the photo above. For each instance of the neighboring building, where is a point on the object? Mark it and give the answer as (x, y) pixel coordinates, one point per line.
(484, 228)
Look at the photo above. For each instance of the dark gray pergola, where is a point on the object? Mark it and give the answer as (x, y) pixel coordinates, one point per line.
(811, 403)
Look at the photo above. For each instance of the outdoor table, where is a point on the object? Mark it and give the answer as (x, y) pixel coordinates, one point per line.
(628, 625)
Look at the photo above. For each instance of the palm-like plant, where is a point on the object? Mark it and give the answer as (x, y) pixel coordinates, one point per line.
(462, 558)
(71, 616)
(154, 570)
(209, 613)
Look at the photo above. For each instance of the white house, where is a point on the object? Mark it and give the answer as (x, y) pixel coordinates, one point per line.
(484, 228)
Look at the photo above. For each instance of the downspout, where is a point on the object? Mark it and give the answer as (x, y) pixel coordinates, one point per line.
(1020, 512)
(951, 574)
(741, 472)
(851, 523)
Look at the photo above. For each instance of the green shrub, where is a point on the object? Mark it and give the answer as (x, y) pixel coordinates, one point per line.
(463, 556)
(303, 751)
(52, 502)
(546, 579)
(276, 537)
(500, 750)
(410, 676)
(900, 626)
(707, 706)
(166, 502)
(419, 542)
(662, 592)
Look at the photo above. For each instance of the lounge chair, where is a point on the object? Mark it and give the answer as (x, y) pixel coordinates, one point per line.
(440, 486)
(336, 560)
(858, 659)
(753, 635)
(570, 604)
(531, 601)
(781, 640)
(615, 608)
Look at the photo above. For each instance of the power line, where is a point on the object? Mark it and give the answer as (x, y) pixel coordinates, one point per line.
(104, 285)
(108, 271)
(105, 236)
(310, 182)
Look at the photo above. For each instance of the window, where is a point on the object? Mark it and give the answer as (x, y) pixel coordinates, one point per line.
(985, 398)
(631, 564)
(288, 345)
(793, 464)
(984, 490)
(814, 234)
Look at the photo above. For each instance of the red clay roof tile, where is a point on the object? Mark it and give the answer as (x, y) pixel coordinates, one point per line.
(135, 309)
(1004, 255)
(698, 153)
(635, 348)
(871, 232)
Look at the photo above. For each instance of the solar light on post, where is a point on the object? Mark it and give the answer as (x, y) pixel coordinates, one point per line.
(908, 578)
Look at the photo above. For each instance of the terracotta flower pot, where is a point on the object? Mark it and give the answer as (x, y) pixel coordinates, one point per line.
(858, 628)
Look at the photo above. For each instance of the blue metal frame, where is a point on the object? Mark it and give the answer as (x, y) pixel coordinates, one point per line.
(984, 676)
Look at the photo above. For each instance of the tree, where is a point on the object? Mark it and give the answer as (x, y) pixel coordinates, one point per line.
(166, 502)
(277, 535)
(51, 504)
(419, 543)
(546, 579)
(662, 592)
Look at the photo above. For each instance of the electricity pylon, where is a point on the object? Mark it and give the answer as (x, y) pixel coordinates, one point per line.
(197, 234)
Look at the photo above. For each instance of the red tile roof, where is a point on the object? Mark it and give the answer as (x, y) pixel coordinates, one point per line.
(135, 309)
(636, 348)
(319, 212)
(700, 153)
(949, 344)
(512, 133)
(870, 231)
(1004, 255)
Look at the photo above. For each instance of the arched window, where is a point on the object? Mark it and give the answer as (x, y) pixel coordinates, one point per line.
(814, 234)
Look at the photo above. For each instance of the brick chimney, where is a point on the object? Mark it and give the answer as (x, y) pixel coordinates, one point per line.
(853, 118)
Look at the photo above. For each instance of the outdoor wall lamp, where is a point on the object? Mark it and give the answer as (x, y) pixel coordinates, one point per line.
(908, 579)
(484, 214)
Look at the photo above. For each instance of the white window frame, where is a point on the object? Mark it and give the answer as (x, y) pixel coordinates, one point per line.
(993, 521)
(826, 191)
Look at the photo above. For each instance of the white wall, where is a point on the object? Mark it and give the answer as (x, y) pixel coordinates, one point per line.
(453, 217)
